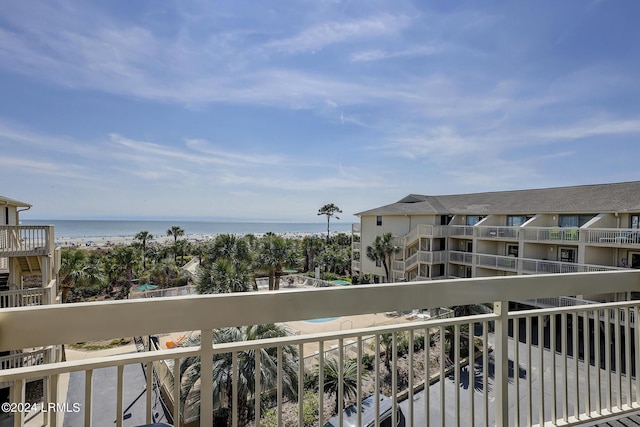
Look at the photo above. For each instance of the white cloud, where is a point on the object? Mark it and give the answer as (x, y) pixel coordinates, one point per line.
(377, 54)
(320, 36)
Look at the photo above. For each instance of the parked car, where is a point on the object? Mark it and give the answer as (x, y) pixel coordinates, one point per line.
(350, 415)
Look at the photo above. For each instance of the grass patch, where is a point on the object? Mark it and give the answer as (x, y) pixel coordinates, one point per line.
(100, 345)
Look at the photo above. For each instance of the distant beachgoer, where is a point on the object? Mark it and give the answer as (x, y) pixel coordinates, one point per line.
(623, 263)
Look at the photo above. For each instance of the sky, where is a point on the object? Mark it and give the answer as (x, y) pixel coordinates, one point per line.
(267, 110)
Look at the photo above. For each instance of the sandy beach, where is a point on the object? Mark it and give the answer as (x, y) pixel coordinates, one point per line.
(106, 242)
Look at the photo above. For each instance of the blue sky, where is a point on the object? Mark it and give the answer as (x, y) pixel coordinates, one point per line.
(268, 110)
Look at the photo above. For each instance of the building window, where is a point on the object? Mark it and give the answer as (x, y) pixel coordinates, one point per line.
(634, 259)
(635, 221)
(567, 255)
(512, 250)
(378, 220)
(378, 263)
(574, 220)
(516, 220)
(473, 219)
(6, 215)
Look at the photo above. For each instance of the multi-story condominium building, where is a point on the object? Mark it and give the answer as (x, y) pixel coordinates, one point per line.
(551, 230)
(29, 264)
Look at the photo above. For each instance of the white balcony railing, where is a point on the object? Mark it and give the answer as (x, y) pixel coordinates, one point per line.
(461, 257)
(461, 231)
(608, 237)
(497, 262)
(582, 374)
(536, 266)
(17, 240)
(524, 265)
(28, 297)
(425, 230)
(506, 233)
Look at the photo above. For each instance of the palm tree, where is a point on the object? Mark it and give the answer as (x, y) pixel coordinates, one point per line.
(75, 271)
(224, 276)
(143, 236)
(222, 369)
(231, 248)
(275, 253)
(126, 259)
(349, 379)
(309, 246)
(175, 231)
(329, 210)
(164, 272)
(382, 250)
(180, 248)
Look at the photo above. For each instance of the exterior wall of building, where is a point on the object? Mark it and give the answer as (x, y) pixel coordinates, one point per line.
(601, 256)
(541, 245)
(8, 215)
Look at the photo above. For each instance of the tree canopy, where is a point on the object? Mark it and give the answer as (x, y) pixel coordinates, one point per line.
(330, 210)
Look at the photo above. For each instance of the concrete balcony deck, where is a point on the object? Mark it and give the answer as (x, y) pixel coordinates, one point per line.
(560, 365)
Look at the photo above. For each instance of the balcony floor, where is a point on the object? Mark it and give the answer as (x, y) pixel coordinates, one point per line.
(633, 420)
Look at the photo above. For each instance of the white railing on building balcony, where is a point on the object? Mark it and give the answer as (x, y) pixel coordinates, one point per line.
(425, 230)
(426, 257)
(524, 265)
(411, 261)
(18, 240)
(461, 231)
(573, 235)
(534, 367)
(461, 257)
(551, 234)
(355, 264)
(26, 358)
(355, 227)
(356, 246)
(29, 296)
(488, 232)
(536, 266)
(611, 236)
(397, 265)
(498, 262)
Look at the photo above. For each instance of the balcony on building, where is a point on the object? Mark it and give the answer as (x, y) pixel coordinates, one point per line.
(573, 363)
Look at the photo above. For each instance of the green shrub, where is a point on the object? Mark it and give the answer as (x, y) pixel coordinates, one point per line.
(368, 361)
(310, 407)
(270, 418)
(310, 381)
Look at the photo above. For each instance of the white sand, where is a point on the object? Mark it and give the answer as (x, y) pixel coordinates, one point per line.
(105, 242)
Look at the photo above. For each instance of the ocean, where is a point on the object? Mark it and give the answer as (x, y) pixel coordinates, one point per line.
(65, 229)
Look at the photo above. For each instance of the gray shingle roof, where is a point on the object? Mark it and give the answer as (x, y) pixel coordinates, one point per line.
(598, 198)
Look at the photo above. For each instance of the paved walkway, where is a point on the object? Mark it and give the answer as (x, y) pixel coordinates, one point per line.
(71, 391)
(529, 403)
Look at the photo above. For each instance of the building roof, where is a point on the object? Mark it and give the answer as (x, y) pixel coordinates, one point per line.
(11, 202)
(588, 199)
